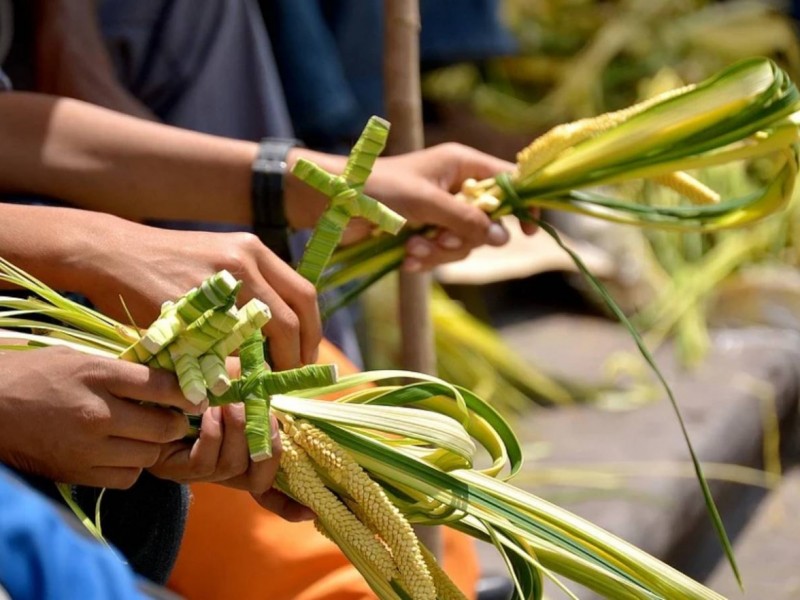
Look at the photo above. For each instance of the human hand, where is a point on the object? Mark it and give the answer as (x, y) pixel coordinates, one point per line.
(146, 266)
(421, 187)
(68, 416)
(220, 455)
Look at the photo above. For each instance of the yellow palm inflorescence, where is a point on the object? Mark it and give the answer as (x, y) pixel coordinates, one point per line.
(306, 485)
(378, 511)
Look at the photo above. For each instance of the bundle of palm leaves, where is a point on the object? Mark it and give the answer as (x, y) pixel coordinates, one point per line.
(383, 457)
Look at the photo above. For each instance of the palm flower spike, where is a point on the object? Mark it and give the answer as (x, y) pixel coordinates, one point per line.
(747, 111)
(751, 110)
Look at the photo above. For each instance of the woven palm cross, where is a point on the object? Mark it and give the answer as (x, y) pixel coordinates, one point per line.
(347, 199)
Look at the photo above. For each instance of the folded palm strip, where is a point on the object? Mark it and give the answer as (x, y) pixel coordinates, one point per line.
(376, 460)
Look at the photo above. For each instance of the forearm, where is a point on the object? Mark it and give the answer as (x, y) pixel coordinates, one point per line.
(101, 160)
(55, 245)
(83, 251)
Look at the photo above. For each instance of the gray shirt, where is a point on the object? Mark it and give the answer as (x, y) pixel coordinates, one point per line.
(6, 33)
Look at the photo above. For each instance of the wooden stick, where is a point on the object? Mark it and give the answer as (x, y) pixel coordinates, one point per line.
(403, 100)
(404, 110)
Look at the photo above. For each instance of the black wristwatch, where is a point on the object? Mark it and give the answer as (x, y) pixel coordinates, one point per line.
(269, 215)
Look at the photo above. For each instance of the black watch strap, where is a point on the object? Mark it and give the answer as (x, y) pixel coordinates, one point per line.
(269, 215)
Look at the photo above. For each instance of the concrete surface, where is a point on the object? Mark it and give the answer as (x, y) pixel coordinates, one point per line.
(768, 549)
(723, 405)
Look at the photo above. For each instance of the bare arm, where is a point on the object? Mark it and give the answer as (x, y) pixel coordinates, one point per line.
(104, 161)
(101, 160)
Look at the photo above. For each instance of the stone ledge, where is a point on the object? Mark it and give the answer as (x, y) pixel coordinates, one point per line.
(768, 550)
(664, 516)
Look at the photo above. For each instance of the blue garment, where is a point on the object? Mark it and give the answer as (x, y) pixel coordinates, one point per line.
(42, 557)
(330, 56)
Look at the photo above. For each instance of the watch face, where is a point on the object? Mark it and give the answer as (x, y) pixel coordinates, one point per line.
(270, 165)
(272, 153)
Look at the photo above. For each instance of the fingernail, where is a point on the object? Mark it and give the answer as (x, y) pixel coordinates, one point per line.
(197, 409)
(215, 415)
(450, 241)
(420, 249)
(497, 235)
(412, 265)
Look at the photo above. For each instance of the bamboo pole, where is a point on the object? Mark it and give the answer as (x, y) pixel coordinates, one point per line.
(403, 98)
